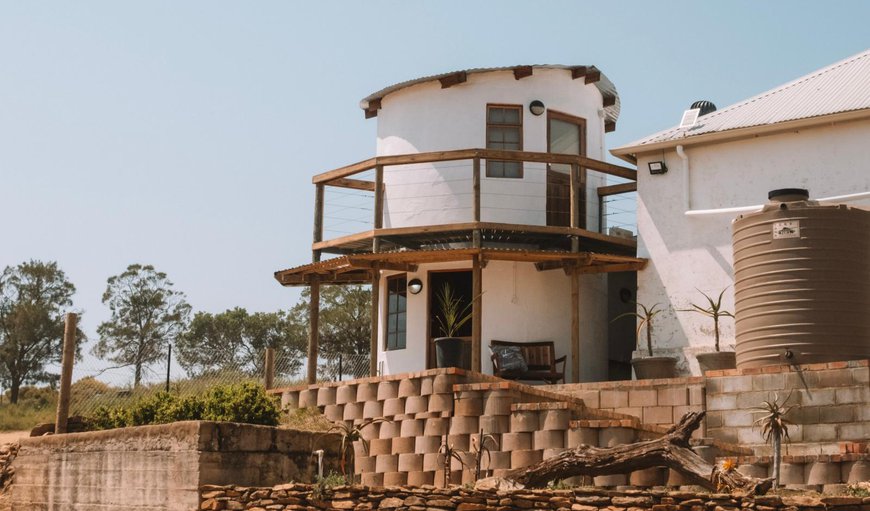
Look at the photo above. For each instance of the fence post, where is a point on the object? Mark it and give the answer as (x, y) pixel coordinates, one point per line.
(168, 365)
(269, 375)
(69, 352)
(340, 371)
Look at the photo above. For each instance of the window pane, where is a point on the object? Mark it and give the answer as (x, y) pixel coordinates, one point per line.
(564, 137)
(512, 116)
(511, 135)
(396, 312)
(496, 115)
(513, 169)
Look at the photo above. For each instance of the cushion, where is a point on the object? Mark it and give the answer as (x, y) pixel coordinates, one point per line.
(510, 358)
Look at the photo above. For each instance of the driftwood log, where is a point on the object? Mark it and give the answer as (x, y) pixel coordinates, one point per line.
(672, 451)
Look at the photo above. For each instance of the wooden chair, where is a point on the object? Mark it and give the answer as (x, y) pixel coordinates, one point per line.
(540, 358)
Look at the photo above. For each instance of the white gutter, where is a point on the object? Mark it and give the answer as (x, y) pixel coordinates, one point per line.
(687, 198)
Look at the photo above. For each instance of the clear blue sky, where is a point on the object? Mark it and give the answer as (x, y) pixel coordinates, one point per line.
(184, 134)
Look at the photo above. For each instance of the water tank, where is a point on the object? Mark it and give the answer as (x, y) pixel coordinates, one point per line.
(801, 282)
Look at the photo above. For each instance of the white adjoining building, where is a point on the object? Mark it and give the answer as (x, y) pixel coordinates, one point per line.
(811, 133)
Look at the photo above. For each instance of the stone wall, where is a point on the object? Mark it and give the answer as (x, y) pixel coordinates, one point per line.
(157, 467)
(295, 497)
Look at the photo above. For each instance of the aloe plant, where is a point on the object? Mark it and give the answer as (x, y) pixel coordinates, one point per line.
(479, 449)
(450, 453)
(646, 319)
(714, 311)
(349, 434)
(453, 314)
(774, 428)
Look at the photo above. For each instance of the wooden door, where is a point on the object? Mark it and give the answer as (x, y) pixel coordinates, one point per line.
(566, 134)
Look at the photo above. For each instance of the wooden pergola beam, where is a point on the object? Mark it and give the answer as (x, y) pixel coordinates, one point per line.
(610, 126)
(578, 72)
(592, 75)
(521, 72)
(609, 100)
(453, 79)
(355, 184)
(356, 263)
(313, 331)
(604, 191)
(372, 108)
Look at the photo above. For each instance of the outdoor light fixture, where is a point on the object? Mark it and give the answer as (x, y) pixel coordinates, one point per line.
(657, 167)
(536, 107)
(415, 286)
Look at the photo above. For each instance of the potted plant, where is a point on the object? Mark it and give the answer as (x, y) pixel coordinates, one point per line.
(650, 366)
(453, 316)
(716, 359)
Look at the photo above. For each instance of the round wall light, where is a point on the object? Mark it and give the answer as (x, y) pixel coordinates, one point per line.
(536, 107)
(415, 286)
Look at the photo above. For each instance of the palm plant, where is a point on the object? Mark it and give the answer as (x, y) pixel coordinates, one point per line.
(453, 314)
(646, 319)
(774, 427)
(351, 433)
(479, 449)
(714, 311)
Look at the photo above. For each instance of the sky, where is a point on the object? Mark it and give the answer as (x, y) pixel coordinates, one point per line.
(185, 134)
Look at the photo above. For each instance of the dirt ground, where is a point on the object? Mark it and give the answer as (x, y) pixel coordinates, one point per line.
(7, 437)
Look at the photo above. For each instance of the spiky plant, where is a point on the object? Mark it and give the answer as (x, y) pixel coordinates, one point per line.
(714, 311)
(450, 453)
(774, 428)
(351, 433)
(646, 316)
(453, 314)
(480, 449)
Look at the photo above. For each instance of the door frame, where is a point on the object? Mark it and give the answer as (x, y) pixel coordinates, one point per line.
(430, 346)
(581, 123)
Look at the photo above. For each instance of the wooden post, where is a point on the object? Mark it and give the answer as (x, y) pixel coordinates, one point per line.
(575, 204)
(373, 344)
(575, 326)
(475, 185)
(318, 221)
(313, 330)
(476, 313)
(379, 206)
(69, 353)
(269, 369)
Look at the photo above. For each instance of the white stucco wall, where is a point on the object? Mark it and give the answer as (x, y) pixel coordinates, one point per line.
(689, 252)
(519, 304)
(425, 117)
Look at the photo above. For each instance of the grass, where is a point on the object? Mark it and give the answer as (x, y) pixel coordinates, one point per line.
(24, 416)
(306, 419)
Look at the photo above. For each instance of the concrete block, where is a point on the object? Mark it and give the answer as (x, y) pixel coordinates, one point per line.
(577, 436)
(835, 378)
(735, 384)
(516, 441)
(443, 383)
(821, 472)
(759, 470)
(427, 444)
(436, 427)
(768, 382)
(308, 398)
(466, 459)
(364, 464)
(855, 471)
(433, 461)
(353, 411)
(421, 478)
(649, 477)
(553, 452)
(498, 402)
(290, 400)
(858, 431)
(642, 397)
(326, 396)
(359, 449)
(370, 431)
(715, 419)
(426, 385)
(441, 402)
(752, 435)
(453, 478)
(388, 390)
(737, 418)
(334, 413)
(837, 413)
(791, 473)
(404, 445)
(498, 460)
(345, 394)
(804, 415)
(853, 395)
(464, 426)
(372, 479)
(554, 419)
(416, 404)
(387, 463)
(373, 409)
(722, 402)
(819, 432)
(861, 375)
(469, 404)
(697, 396)
(379, 446)
(412, 427)
(366, 392)
(658, 415)
(755, 399)
(611, 437)
(613, 398)
(673, 396)
(611, 480)
(390, 429)
(524, 421)
(814, 396)
(524, 458)
(633, 411)
(676, 479)
(549, 439)
(394, 406)
(459, 442)
(409, 387)
(591, 398)
(395, 479)
(410, 462)
(496, 424)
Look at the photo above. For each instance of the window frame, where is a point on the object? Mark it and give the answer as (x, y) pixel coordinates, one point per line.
(388, 313)
(519, 127)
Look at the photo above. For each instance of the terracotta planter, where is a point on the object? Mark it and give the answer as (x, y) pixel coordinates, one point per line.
(717, 360)
(654, 367)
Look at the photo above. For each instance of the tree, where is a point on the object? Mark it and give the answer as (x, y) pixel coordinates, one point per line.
(33, 299)
(147, 314)
(237, 340)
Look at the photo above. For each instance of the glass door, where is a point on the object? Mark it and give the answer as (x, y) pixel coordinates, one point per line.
(566, 134)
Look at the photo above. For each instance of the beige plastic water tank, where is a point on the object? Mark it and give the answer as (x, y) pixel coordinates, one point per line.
(801, 282)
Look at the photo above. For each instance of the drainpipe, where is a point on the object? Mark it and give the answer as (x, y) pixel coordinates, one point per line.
(686, 188)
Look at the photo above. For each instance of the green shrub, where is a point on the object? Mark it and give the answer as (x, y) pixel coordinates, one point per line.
(147, 410)
(189, 408)
(109, 418)
(245, 402)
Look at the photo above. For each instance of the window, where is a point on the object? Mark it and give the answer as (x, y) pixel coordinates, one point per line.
(504, 130)
(397, 311)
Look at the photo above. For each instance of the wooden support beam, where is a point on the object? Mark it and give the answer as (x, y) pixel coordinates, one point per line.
(521, 72)
(604, 191)
(575, 327)
(592, 75)
(578, 72)
(453, 79)
(609, 100)
(611, 268)
(372, 108)
(475, 187)
(373, 344)
(476, 312)
(318, 221)
(379, 205)
(66, 370)
(313, 331)
(611, 126)
(269, 369)
(356, 184)
(364, 263)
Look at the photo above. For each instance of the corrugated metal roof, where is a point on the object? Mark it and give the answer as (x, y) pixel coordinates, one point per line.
(604, 84)
(838, 88)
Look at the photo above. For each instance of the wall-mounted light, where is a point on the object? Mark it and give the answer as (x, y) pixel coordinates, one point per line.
(657, 167)
(415, 286)
(536, 107)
